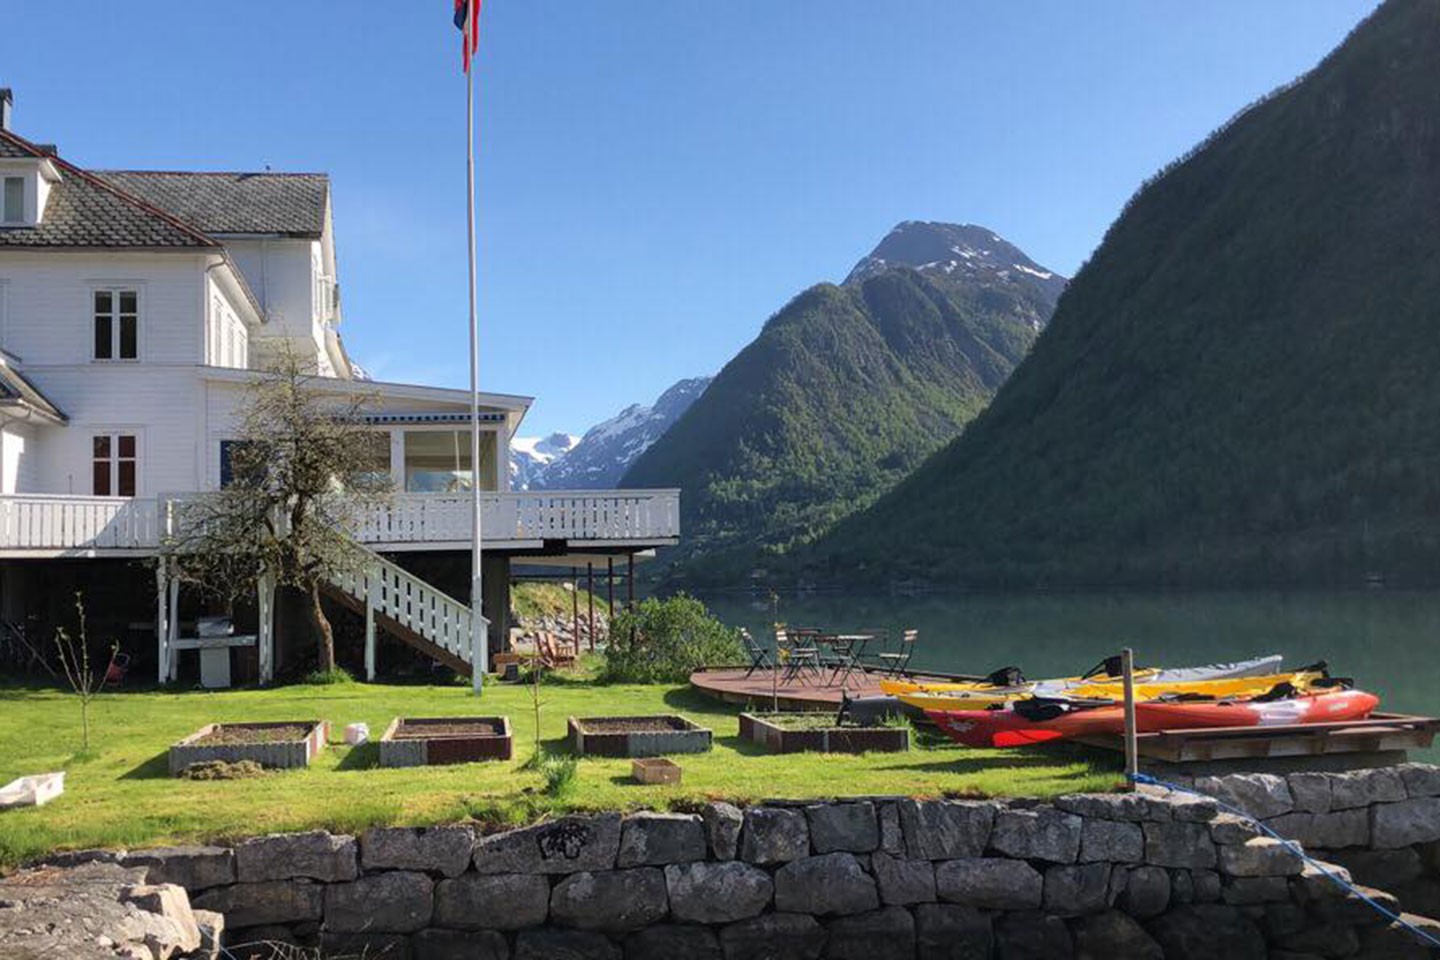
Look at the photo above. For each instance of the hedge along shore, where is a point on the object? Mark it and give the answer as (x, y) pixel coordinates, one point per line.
(1149, 874)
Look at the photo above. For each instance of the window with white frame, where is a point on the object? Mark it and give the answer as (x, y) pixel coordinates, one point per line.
(12, 200)
(114, 457)
(117, 319)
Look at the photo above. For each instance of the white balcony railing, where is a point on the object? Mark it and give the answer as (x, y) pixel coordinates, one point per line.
(48, 522)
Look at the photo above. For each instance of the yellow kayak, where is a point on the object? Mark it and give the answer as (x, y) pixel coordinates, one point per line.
(1008, 683)
(1110, 689)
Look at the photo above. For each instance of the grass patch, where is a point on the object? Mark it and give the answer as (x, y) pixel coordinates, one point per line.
(533, 600)
(325, 678)
(123, 795)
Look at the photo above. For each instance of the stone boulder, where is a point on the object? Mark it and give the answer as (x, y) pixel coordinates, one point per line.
(1262, 795)
(722, 829)
(1387, 868)
(718, 892)
(656, 839)
(1032, 936)
(1146, 892)
(1104, 806)
(946, 829)
(318, 855)
(500, 901)
(831, 883)
(439, 944)
(1261, 857)
(270, 902)
(1361, 788)
(1173, 844)
(1111, 841)
(212, 930)
(1420, 779)
(885, 934)
(843, 827)
(564, 945)
(1041, 834)
(1407, 822)
(397, 901)
(171, 904)
(443, 850)
(613, 901)
(947, 931)
(992, 883)
(1074, 889)
(566, 845)
(1310, 791)
(774, 835)
(194, 868)
(1111, 936)
(772, 936)
(673, 942)
(1327, 831)
(1207, 932)
(903, 882)
(892, 837)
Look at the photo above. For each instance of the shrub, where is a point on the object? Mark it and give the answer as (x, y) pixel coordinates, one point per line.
(325, 678)
(664, 641)
(558, 770)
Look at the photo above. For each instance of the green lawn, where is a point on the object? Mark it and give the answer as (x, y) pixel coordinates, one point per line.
(121, 795)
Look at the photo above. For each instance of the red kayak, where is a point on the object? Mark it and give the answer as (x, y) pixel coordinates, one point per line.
(1036, 721)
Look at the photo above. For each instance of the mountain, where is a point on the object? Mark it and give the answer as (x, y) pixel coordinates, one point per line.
(845, 390)
(530, 457)
(1239, 387)
(599, 458)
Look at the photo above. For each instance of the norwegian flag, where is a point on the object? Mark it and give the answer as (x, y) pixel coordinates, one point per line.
(467, 21)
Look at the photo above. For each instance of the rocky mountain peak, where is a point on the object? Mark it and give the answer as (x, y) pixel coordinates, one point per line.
(961, 251)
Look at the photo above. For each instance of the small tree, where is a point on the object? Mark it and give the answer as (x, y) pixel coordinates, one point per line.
(664, 641)
(303, 471)
(74, 653)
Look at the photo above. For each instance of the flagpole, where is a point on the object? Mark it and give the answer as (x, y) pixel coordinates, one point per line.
(479, 643)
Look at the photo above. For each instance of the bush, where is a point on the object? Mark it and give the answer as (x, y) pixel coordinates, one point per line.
(558, 770)
(326, 678)
(664, 641)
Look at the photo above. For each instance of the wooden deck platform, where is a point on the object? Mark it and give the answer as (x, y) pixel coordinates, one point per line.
(814, 693)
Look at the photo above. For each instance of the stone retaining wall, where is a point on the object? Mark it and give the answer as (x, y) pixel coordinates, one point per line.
(1145, 875)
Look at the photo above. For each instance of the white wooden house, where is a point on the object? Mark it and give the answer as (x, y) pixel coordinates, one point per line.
(135, 307)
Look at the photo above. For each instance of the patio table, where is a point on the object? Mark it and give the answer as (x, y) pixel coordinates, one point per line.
(848, 650)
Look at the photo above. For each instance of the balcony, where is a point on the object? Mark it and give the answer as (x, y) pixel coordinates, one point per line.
(55, 525)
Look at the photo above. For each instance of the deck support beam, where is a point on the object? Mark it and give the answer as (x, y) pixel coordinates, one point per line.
(172, 630)
(266, 638)
(162, 621)
(590, 600)
(372, 601)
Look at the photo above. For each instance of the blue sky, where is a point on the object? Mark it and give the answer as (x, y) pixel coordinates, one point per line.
(657, 177)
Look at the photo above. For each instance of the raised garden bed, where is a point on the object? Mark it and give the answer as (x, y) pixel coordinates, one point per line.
(651, 736)
(430, 741)
(281, 745)
(654, 770)
(797, 732)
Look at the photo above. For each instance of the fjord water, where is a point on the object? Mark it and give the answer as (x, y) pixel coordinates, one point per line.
(1388, 641)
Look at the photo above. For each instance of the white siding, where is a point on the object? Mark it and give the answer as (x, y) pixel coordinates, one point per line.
(19, 470)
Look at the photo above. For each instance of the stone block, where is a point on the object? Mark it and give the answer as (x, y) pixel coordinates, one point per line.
(439, 850)
(498, 901)
(1317, 881)
(903, 882)
(1146, 892)
(1207, 932)
(1397, 941)
(194, 868)
(1204, 886)
(1233, 828)
(1111, 936)
(774, 835)
(1380, 868)
(673, 942)
(947, 931)
(885, 934)
(1103, 806)
(212, 931)
(1310, 791)
(1040, 834)
(268, 902)
(831, 883)
(656, 839)
(438, 944)
(892, 838)
(843, 827)
(319, 855)
(1407, 822)
(371, 946)
(1262, 795)
(1322, 939)
(613, 901)
(1325, 831)
(1029, 935)
(719, 892)
(993, 883)
(946, 829)
(564, 945)
(397, 901)
(773, 936)
(1072, 890)
(1420, 779)
(1283, 919)
(1179, 845)
(171, 903)
(1361, 788)
(1353, 910)
(722, 829)
(1261, 857)
(567, 845)
(1111, 841)
(1244, 891)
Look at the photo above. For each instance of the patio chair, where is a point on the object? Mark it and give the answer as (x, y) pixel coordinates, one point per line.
(554, 654)
(796, 655)
(897, 662)
(759, 656)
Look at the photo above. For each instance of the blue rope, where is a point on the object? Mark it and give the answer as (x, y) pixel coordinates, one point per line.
(1331, 875)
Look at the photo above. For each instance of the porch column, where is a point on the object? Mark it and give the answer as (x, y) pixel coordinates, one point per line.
(372, 600)
(590, 599)
(630, 582)
(610, 586)
(266, 633)
(162, 621)
(172, 662)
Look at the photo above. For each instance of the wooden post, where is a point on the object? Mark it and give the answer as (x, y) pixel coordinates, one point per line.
(266, 633)
(162, 621)
(372, 600)
(172, 662)
(589, 600)
(575, 606)
(479, 635)
(630, 583)
(1132, 749)
(610, 586)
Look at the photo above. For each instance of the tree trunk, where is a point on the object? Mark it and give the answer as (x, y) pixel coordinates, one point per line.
(320, 627)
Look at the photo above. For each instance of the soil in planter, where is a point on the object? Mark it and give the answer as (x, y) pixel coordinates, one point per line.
(416, 730)
(240, 733)
(633, 725)
(804, 721)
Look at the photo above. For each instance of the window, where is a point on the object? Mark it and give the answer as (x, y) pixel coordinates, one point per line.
(438, 461)
(116, 317)
(12, 206)
(114, 464)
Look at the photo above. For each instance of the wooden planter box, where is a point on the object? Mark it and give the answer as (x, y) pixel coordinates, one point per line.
(430, 741)
(233, 742)
(777, 738)
(655, 770)
(649, 736)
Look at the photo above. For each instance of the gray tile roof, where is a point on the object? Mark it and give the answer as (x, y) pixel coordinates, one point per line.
(292, 204)
(85, 211)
